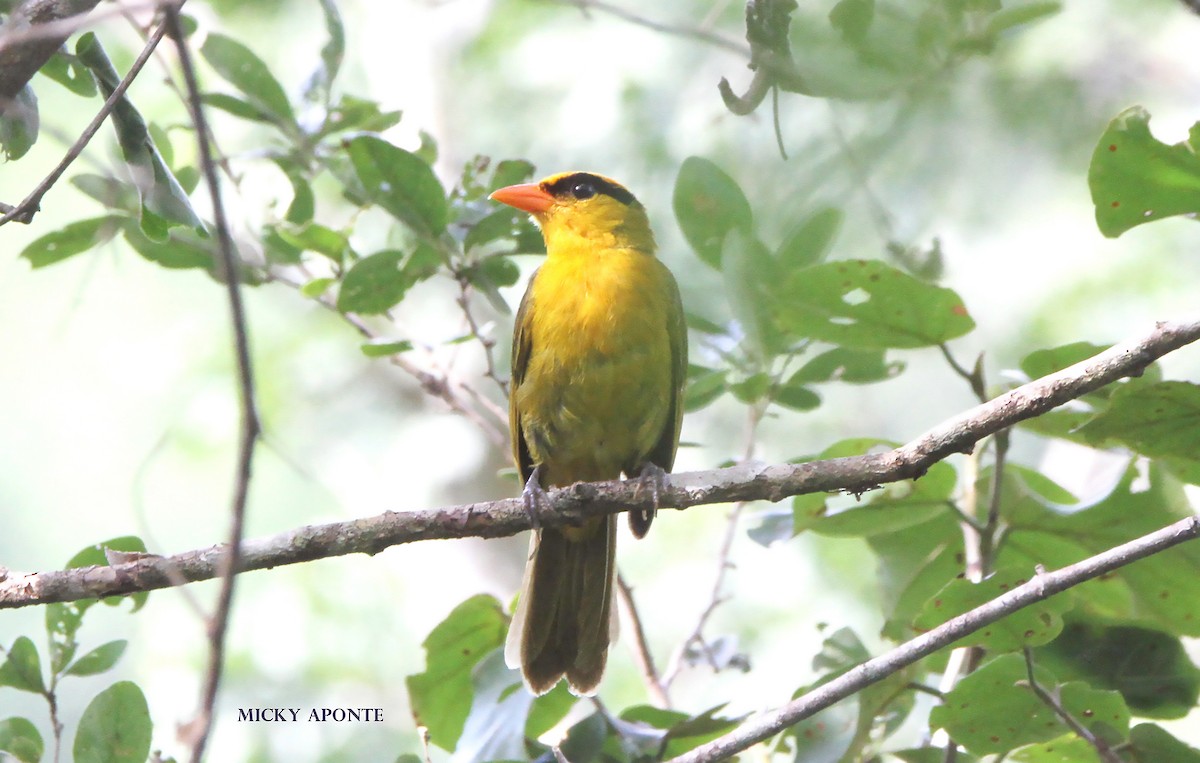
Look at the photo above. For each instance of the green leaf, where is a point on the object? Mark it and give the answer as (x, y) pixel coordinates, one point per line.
(708, 204)
(826, 736)
(115, 727)
(751, 389)
(866, 304)
(796, 396)
(1041, 363)
(314, 237)
(495, 725)
(94, 555)
(352, 113)
(704, 388)
(239, 66)
(316, 287)
(809, 242)
(176, 252)
(22, 669)
(19, 124)
(915, 561)
(110, 192)
(853, 19)
(400, 182)
(993, 710)
(896, 506)
(164, 202)
(498, 270)
(238, 107)
(1150, 669)
(510, 172)
(20, 738)
(684, 732)
(499, 224)
(441, 696)
(62, 623)
(744, 261)
(385, 349)
(844, 364)
(1150, 742)
(66, 70)
(1034, 625)
(1154, 419)
(74, 238)
(375, 284)
(548, 710)
(1135, 178)
(1065, 749)
(98, 660)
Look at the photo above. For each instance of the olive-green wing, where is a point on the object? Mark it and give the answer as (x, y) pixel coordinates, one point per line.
(521, 347)
(663, 453)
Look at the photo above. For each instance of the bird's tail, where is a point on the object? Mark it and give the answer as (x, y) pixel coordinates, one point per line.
(566, 617)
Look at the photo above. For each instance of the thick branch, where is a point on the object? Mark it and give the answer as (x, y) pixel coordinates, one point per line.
(22, 53)
(572, 504)
(1043, 586)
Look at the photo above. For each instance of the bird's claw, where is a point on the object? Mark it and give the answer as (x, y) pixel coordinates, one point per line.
(655, 477)
(533, 496)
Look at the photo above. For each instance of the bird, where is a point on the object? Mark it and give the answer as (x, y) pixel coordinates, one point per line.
(599, 360)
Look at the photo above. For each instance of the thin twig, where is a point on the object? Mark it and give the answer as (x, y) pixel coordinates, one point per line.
(24, 211)
(439, 385)
(577, 503)
(251, 427)
(1083, 732)
(716, 598)
(1042, 587)
(641, 648)
(486, 342)
(697, 33)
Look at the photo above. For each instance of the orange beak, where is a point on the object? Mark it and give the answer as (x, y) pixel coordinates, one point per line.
(528, 197)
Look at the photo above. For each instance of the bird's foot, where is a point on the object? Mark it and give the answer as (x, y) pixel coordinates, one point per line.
(534, 496)
(655, 478)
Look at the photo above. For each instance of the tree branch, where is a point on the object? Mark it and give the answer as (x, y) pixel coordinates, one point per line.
(1041, 587)
(28, 41)
(28, 207)
(228, 563)
(571, 505)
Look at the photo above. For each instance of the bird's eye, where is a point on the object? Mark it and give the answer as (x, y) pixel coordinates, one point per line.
(583, 191)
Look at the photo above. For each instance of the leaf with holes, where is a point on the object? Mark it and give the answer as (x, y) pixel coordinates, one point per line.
(868, 305)
(1136, 178)
(993, 710)
(1032, 626)
(1155, 420)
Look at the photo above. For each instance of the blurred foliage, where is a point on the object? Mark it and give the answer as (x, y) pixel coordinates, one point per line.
(115, 726)
(805, 311)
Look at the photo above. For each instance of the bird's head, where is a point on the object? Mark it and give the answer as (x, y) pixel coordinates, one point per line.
(582, 205)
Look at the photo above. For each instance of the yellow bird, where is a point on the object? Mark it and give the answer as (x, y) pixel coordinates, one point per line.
(598, 364)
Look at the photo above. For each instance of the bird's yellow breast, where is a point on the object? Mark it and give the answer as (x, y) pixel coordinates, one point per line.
(597, 388)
